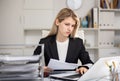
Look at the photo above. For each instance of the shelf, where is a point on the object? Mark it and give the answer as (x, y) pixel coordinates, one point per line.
(30, 29)
(109, 10)
(91, 29)
(109, 29)
(91, 48)
(109, 47)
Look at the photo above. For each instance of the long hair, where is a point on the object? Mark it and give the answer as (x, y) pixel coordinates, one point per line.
(65, 13)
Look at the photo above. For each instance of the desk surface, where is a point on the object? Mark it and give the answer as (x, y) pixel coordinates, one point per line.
(103, 79)
(48, 79)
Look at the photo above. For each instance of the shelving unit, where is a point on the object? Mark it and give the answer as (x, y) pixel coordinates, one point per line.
(104, 40)
(109, 28)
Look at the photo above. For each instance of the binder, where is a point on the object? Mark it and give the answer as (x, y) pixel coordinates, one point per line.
(95, 17)
(106, 20)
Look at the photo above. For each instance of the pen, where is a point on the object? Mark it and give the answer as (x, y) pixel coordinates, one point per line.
(109, 66)
(114, 64)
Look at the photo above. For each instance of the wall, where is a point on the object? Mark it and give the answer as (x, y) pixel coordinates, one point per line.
(82, 11)
(11, 30)
(34, 22)
(11, 24)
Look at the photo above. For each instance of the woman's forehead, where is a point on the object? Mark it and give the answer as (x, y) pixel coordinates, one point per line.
(69, 19)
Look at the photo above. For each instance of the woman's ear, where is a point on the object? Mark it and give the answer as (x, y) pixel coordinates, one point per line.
(57, 22)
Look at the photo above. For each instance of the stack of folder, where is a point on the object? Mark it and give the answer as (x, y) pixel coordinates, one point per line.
(20, 68)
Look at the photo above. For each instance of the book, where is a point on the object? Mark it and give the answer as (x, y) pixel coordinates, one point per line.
(95, 17)
(107, 4)
(106, 19)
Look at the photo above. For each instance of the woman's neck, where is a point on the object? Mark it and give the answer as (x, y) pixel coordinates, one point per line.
(61, 38)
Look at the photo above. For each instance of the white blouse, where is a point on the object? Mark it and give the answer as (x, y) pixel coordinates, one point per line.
(62, 48)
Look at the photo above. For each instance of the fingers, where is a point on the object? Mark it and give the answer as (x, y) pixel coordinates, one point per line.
(81, 70)
(46, 69)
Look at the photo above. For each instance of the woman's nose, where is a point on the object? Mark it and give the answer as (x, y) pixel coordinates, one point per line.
(70, 28)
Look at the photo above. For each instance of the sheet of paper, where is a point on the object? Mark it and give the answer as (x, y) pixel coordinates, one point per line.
(19, 58)
(56, 64)
(20, 68)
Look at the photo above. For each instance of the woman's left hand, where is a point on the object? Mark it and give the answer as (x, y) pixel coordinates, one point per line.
(81, 70)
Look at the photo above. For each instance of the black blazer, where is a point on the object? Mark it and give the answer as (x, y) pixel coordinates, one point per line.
(76, 50)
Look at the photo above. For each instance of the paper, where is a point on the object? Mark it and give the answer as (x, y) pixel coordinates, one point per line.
(56, 64)
(9, 59)
(19, 67)
(19, 71)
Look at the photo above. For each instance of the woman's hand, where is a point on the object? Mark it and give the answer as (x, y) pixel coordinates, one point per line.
(81, 70)
(46, 71)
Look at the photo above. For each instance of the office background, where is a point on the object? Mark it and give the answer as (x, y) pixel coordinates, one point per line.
(26, 21)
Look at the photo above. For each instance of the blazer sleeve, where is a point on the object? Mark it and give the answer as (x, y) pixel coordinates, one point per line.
(84, 55)
(37, 51)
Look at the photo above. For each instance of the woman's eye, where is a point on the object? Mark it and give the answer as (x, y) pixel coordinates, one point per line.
(73, 25)
(67, 24)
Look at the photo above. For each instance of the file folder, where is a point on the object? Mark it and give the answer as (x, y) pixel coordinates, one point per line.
(19, 67)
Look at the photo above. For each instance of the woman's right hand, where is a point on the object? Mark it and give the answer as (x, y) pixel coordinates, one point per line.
(47, 71)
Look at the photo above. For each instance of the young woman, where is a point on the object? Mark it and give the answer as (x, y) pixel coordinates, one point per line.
(61, 43)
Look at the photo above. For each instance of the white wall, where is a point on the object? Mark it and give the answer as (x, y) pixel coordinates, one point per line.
(11, 30)
(82, 11)
(85, 8)
(11, 11)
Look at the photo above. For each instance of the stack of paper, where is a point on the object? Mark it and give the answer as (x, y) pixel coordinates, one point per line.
(20, 68)
(18, 59)
(18, 71)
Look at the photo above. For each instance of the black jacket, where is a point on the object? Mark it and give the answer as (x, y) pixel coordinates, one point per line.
(76, 50)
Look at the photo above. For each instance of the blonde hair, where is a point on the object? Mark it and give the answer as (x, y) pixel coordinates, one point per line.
(64, 13)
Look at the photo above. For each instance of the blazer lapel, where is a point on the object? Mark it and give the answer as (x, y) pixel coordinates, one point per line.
(69, 51)
(53, 48)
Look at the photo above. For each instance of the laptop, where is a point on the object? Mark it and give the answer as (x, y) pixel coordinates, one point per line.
(98, 72)
(66, 76)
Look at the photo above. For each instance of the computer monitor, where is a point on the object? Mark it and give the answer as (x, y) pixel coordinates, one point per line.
(100, 70)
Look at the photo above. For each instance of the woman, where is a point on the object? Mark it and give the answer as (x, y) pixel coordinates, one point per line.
(61, 43)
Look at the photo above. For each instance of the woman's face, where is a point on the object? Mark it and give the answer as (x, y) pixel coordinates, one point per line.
(66, 27)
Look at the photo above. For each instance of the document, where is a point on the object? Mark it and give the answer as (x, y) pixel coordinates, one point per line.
(58, 65)
(20, 68)
(9, 59)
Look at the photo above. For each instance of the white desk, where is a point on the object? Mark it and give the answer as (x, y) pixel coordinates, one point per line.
(103, 79)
